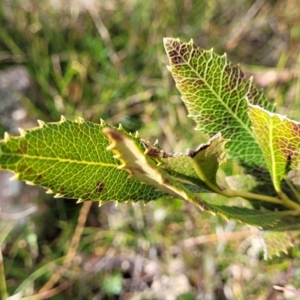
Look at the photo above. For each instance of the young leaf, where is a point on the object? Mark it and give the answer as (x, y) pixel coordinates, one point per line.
(144, 169)
(198, 166)
(70, 159)
(177, 165)
(207, 158)
(279, 140)
(214, 92)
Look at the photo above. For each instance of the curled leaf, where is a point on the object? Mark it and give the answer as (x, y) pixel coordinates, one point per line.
(141, 167)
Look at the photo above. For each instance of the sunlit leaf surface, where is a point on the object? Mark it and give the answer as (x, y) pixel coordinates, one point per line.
(198, 166)
(214, 92)
(279, 139)
(140, 166)
(70, 159)
(207, 158)
(143, 168)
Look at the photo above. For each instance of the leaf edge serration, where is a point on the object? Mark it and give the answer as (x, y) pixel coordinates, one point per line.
(182, 58)
(150, 195)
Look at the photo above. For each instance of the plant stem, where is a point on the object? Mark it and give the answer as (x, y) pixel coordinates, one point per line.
(3, 289)
(282, 200)
(232, 193)
(289, 203)
(246, 195)
(289, 213)
(250, 196)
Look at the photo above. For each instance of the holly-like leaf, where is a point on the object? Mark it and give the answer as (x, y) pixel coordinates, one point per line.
(262, 219)
(70, 159)
(141, 167)
(279, 140)
(198, 166)
(178, 165)
(214, 92)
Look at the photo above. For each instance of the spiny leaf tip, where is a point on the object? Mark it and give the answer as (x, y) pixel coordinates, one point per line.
(81, 120)
(22, 131)
(6, 136)
(41, 123)
(14, 177)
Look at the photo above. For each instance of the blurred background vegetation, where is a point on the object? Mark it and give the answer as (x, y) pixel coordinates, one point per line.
(105, 59)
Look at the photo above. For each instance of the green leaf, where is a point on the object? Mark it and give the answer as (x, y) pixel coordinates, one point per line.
(207, 158)
(214, 92)
(178, 165)
(279, 140)
(276, 242)
(145, 169)
(142, 167)
(198, 166)
(70, 159)
(245, 215)
(265, 219)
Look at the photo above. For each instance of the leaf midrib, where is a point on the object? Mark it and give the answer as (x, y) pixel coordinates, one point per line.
(71, 161)
(272, 153)
(220, 99)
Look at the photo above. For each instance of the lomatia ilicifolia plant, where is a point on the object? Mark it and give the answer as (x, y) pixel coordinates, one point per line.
(87, 161)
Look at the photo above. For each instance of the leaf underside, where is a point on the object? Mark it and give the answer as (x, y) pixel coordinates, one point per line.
(214, 92)
(88, 161)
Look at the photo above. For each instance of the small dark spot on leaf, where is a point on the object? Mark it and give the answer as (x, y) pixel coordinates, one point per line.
(151, 151)
(200, 83)
(40, 177)
(22, 168)
(296, 128)
(29, 171)
(100, 187)
(166, 181)
(115, 135)
(288, 164)
(23, 147)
